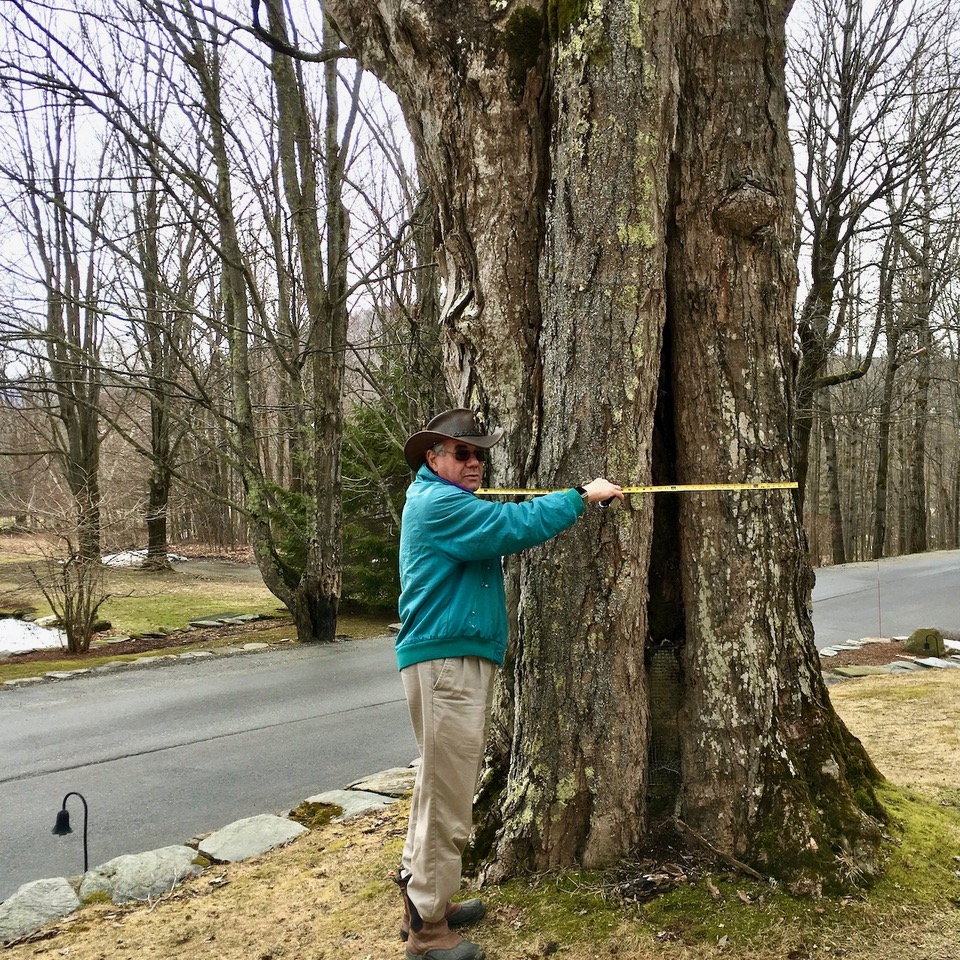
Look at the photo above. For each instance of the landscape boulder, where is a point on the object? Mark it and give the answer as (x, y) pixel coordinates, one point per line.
(34, 905)
(925, 642)
(353, 803)
(140, 876)
(395, 782)
(249, 838)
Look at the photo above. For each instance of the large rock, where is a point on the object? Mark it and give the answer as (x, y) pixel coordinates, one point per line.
(938, 662)
(140, 876)
(394, 782)
(861, 671)
(925, 642)
(34, 905)
(354, 803)
(250, 837)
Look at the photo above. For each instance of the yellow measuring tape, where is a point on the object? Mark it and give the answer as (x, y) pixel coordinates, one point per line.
(671, 488)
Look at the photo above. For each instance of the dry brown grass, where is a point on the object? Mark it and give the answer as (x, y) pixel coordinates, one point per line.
(327, 895)
(910, 726)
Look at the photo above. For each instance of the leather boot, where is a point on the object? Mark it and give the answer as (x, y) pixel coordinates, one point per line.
(457, 915)
(463, 913)
(436, 941)
(401, 878)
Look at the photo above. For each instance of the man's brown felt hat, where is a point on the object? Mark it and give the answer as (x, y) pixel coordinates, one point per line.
(459, 424)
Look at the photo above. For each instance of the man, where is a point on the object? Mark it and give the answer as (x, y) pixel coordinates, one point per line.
(452, 639)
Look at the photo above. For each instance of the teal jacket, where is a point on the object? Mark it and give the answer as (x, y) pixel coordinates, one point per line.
(452, 601)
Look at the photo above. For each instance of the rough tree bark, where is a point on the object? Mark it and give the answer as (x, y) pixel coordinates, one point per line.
(782, 786)
(615, 191)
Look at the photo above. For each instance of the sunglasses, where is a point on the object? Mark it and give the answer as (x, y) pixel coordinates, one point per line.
(463, 455)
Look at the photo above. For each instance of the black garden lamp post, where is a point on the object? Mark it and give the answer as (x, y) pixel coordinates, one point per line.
(62, 827)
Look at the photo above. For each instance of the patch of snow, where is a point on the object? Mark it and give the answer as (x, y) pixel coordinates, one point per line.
(17, 636)
(133, 558)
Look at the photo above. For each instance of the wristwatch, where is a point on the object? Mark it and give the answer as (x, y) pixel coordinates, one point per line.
(584, 496)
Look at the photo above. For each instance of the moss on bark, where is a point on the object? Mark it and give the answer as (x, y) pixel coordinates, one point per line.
(562, 15)
(820, 830)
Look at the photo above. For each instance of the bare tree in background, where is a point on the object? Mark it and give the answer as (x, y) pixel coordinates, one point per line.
(852, 82)
(266, 195)
(60, 211)
(872, 291)
(168, 283)
(74, 587)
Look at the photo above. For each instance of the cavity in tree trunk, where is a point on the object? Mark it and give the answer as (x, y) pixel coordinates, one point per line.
(616, 192)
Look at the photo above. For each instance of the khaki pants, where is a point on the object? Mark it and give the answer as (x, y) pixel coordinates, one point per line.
(449, 702)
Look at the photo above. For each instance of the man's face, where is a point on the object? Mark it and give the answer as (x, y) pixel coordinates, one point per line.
(466, 473)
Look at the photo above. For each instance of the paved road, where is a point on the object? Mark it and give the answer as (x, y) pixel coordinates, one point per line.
(890, 598)
(282, 725)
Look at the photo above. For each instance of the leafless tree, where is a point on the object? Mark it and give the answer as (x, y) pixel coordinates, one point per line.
(902, 284)
(74, 587)
(60, 208)
(265, 194)
(853, 76)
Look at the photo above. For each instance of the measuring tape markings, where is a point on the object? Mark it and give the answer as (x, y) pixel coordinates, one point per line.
(670, 488)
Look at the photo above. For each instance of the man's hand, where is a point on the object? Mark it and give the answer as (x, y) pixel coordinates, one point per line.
(600, 490)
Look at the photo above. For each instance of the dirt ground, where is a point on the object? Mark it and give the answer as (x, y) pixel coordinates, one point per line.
(876, 653)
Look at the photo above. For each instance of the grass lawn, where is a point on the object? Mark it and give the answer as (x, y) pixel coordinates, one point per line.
(137, 600)
(141, 601)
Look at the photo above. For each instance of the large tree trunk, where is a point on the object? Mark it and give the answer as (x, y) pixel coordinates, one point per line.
(780, 786)
(158, 498)
(575, 785)
(582, 156)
